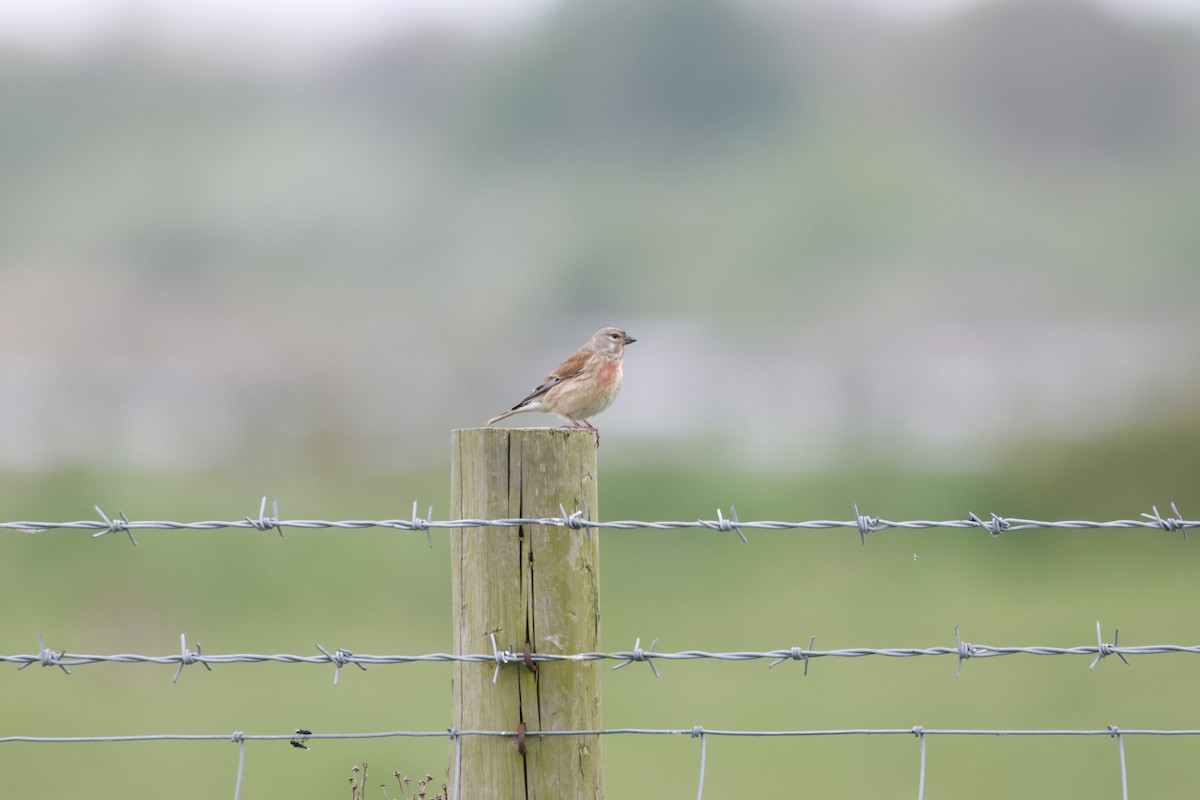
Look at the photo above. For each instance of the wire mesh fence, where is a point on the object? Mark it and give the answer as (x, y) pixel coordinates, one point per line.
(302, 738)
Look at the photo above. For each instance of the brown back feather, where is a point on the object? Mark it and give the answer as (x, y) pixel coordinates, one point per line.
(571, 366)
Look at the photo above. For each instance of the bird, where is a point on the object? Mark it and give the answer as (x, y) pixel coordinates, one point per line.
(583, 385)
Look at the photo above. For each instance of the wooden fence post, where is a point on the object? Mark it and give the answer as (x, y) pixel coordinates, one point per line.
(535, 583)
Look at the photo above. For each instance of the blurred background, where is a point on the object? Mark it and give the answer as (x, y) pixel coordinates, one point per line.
(931, 257)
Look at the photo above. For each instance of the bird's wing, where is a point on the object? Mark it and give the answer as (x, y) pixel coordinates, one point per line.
(571, 366)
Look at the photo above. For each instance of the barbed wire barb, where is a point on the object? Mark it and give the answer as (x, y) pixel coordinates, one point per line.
(501, 657)
(726, 525)
(638, 654)
(995, 526)
(865, 524)
(964, 650)
(46, 657)
(187, 657)
(418, 524)
(1175, 523)
(796, 654)
(576, 520)
(1104, 649)
(340, 658)
(114, 525)
(265, 523)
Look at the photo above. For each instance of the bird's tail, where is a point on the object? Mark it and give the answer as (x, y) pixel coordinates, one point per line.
(505, 415)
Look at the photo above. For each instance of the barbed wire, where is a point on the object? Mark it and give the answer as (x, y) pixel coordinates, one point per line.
(995, 525)
(961, 650)
(301, 738)
(864, 524)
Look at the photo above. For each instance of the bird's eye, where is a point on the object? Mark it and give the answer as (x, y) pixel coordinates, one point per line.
(613, 336)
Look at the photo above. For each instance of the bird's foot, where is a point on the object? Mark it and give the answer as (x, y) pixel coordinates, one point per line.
(582, 425)
(595, 431)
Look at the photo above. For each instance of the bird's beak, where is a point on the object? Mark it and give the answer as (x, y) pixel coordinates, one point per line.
(629, 340)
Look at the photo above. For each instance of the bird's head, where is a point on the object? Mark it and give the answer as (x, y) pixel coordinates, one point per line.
(609, 341)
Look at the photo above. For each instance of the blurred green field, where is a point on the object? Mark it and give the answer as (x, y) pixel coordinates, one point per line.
(377, 591)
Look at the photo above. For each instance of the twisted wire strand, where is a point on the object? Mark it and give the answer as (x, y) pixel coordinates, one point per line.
(996, 525)
(693, 732)
(48, 657)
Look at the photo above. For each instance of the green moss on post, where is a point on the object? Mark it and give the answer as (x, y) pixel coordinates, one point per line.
(535, 583)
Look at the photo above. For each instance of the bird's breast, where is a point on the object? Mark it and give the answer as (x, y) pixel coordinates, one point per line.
(608, 374)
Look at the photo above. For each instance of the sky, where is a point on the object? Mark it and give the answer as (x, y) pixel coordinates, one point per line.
(332, 24)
